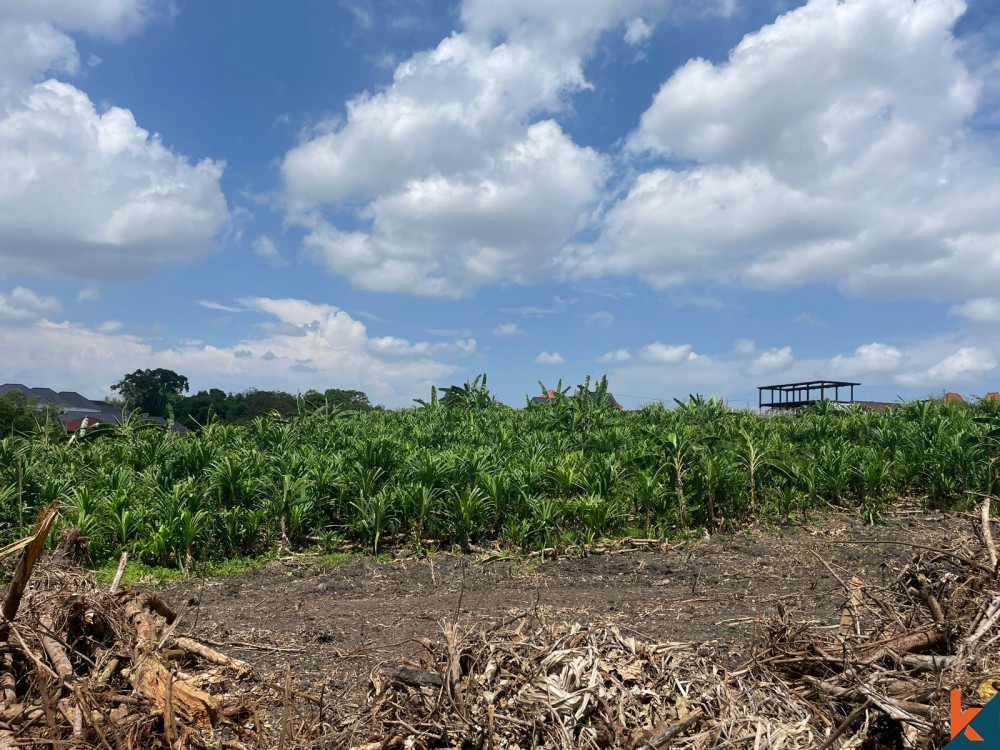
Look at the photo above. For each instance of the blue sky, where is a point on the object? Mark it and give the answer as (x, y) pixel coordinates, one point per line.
(687, 196)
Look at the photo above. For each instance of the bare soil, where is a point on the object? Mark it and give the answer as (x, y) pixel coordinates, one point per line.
(331, 623)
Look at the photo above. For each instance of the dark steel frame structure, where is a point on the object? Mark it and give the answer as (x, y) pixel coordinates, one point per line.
(794, 395)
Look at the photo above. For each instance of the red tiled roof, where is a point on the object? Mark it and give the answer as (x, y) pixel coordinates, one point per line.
(74, 424)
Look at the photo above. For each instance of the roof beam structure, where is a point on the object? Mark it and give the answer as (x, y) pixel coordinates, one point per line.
(795, 395)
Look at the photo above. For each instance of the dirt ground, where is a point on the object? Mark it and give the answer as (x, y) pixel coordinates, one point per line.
(324, 620)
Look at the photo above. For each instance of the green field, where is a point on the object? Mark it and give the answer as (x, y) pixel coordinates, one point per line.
(472, 474)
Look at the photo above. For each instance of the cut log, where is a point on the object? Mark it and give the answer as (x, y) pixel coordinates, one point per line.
(152, 679)
(53, 648)
(19, 581)
(120, 572)
(151, 676)
(991, 548)
(192, 646)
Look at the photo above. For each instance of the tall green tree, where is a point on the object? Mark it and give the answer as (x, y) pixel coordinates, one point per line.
(18, 414)
(151, 391)
(351, 400)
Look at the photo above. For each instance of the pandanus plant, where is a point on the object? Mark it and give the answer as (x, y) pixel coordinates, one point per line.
(462, 474)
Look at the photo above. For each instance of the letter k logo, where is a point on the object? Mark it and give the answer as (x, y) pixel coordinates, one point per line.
(960, 720)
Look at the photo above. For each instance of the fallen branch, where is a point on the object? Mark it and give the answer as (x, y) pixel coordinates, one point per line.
(987, 531)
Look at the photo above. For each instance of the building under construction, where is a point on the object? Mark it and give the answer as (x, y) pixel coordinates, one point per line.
(796, 395)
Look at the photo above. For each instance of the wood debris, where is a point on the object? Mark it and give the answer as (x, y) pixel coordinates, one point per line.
(84, 667)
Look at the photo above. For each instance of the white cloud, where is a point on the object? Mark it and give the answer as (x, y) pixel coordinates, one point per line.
(545, 358)
(772, 360)
(963, 365)
(212, 305)
(573, 26)
(398, 347)
(966, 361)
(808, 319)
(457, 169)
(832, 146)
(112, 18)
(618, 356)
(983, 310)
(28, 49)
(745, 347)
(319, 346)
(266, 249)
(508, 329)
(84, 193)
(109, 326)
(637, 31)
(89, 293)
(601, 318)
(446, 235)
(24, 304)
(664, 354)
(91, 195)
(869, 358)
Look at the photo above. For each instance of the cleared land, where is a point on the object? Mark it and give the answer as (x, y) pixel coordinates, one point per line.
(708, 590)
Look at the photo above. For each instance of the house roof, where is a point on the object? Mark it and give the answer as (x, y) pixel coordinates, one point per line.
(72, 422)
(81, 402)
(67, 400)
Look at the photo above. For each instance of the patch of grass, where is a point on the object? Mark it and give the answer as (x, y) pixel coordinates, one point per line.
(138, 572)
(340, 559)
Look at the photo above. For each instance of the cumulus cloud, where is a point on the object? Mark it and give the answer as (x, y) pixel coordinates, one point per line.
(873, 357)
(616, 357)
(983, 310)
(24, 304)
(508, 329)
(665, 354)
(85, 193)
(444, 235)
(831, 146)
(311, 346)
(963, 365)
(772, 360)
(458, 170)
(637, 31)
(546, 358)
(399, 347)
(111, 18)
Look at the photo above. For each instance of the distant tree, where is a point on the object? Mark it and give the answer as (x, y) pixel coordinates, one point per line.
(150, 391)
(198, 409)
(19, 414)
(349, 399)
(252, 403)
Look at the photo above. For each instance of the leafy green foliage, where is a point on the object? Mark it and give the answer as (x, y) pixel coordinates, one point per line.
(574, 470)
(152, 391)
(20, 414)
